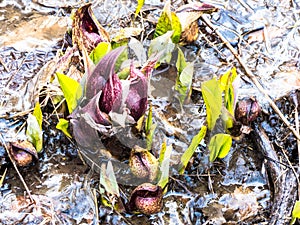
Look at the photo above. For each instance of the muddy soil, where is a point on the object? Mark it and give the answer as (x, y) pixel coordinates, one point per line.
(242, 188)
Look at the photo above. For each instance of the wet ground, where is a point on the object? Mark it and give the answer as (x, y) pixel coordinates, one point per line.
(235, 190)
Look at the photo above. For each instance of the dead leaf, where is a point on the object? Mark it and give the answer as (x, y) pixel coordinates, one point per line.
(240, 205)
(188, 15)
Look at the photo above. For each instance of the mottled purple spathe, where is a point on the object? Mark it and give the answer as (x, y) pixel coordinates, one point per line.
(136, 100)
(111, 97)
(104, 90)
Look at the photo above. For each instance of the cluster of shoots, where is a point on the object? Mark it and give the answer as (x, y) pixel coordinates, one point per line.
(113, 95)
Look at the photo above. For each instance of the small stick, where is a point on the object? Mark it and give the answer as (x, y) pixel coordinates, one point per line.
(251, 76)
(295, 101)
(4, 66)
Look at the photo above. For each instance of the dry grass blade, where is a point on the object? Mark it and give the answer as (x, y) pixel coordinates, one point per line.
(16, 168)
(4, 65)
(295, 101)
(250, 75)
(3, 177)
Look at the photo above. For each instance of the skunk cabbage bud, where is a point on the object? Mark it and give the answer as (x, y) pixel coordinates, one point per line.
(247, 110)
(87, 32)
(146, 198)
(136, 100)
(23, 152)
(143, 164)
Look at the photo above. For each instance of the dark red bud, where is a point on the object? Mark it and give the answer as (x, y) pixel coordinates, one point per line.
(111, 97)
(23, 152)
(247, 110)
(137, 100)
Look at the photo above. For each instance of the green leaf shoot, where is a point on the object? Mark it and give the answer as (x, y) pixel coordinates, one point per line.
(164, 161)
(295, 212)
(34, 132)
(186, 75)
(139, 7)
(181, 62)
(37, 112)
(185, 158)
(162, 45)
(101, 50)
(226, 82)
(149, 121)
(219, 146)
(122, 57)
(149, 128)
(63, 125)
(109, 185)
(3, 177)
(212, 95)
(108, 179)
(168, 21)
(71, 89)
(184, 81)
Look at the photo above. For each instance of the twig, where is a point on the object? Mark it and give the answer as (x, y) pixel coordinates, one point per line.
(251, 76)
(246, 6)
(4, 66)
(295, 101)
(291, 166)
(16, 168)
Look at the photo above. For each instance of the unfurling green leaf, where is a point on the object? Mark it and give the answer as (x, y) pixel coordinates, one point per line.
(37, 112)
(164, 161)
(185, 158)
(212, 95)
(34, 133)
(180, 63)
(226, 81)
(149, 128)
(139, 7)
(162, 45)
(295, 212)
(186, 76)
(226, 84)
(101, 50)
(149, 121)
(71, 89)
(219, 146)
(63, 125)
(110, 186)
(168, 21)
(108, 179)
